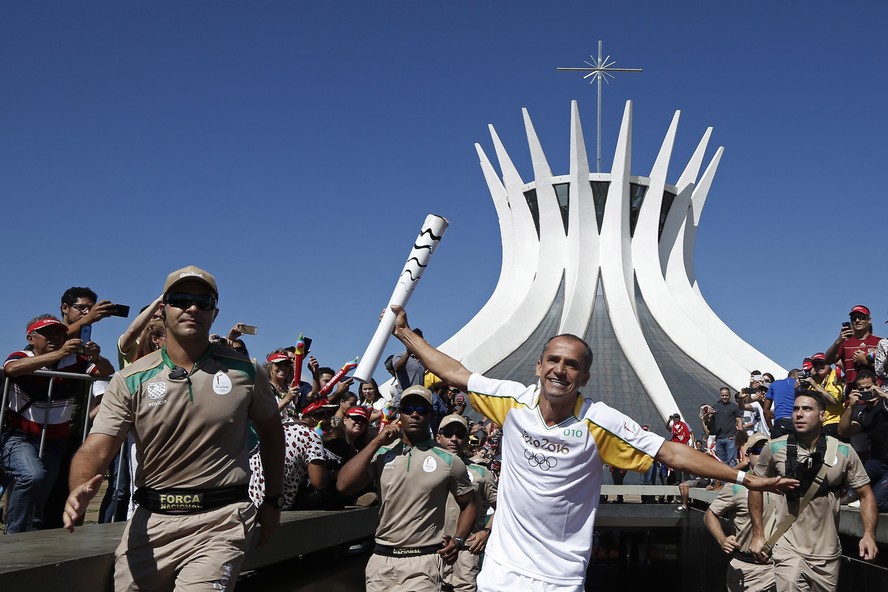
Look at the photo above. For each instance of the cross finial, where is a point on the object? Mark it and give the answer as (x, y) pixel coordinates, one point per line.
(599, 69)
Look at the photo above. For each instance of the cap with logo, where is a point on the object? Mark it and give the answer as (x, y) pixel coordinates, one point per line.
(43, 323)
(453, 418)
(276, 357)
(358, 411)
(417, 391)
(859, 309)
(190, 273)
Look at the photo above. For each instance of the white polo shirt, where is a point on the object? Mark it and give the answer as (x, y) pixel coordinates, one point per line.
(551, 477)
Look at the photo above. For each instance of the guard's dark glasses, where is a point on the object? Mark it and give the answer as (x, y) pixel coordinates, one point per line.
(185, 301)
(411, 409)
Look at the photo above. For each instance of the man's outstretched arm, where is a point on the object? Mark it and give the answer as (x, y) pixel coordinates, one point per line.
(439, 363)
(685, 458)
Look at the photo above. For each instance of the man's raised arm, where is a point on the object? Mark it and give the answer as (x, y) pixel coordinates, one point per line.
(439, 363)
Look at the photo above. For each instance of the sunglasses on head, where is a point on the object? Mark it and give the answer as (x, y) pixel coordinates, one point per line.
(185, 301)
(411, 409)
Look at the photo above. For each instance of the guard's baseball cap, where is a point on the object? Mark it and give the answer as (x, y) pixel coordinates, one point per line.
(417, 391)
(451, 419)
(190, 273)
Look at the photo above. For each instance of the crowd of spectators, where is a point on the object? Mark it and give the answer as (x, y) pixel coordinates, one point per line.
(43, 427)
(848, 377)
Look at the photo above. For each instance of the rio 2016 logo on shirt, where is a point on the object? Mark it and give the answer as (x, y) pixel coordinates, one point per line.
(546, 444)
(540, 460)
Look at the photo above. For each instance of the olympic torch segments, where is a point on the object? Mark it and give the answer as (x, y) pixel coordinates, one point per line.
(298, 356)
(346, 368)
(429, 236)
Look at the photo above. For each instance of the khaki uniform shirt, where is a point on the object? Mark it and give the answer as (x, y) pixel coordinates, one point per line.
(190, 433)
(414, 484)
(731, 504)
(484, 483)
(814, 534)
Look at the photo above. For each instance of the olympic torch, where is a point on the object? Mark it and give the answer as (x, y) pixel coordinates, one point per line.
(429, 236)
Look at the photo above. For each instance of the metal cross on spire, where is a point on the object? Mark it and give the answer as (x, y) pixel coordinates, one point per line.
(598, 70)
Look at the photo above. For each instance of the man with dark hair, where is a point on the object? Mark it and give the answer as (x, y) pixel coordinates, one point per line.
(555, 444)
(723, 424)
(414, 477)
(778, 402)
(36, 426)
(808, 554)
(188, 406)
(867, 412)
(79, 307)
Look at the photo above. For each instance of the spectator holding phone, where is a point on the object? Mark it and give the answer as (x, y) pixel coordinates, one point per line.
(855, 348)
(867, 412)
(31, 416)
(79, 307)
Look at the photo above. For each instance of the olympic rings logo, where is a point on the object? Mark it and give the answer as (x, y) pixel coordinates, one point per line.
(540, 460)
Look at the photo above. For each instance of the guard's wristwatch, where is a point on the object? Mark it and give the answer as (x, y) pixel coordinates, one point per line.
(460, 543)
(275, 500)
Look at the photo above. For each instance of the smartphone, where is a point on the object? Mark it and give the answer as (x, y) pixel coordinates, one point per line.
(86, 333)
(307, 341)
(248, 329)
(846, 325)
(120, 310)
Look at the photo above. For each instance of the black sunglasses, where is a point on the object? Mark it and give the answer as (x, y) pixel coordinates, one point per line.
(755, 449)
(452, 433)
(185, 301)
(411, 409)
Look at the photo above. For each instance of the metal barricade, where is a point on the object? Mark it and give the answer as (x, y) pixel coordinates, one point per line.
(86, 406)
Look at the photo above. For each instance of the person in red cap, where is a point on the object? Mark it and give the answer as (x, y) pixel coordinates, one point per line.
(825, 381)
(30, 414)
(279, 366)
(855, 348)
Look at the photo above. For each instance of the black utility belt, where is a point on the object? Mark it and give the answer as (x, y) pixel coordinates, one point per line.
(744, 557)
(405, 551)
(189, 501)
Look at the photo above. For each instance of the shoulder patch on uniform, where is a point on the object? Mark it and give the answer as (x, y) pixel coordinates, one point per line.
(445, 456)
(777, 445)
(136, 379)
(843, 449)
(736, 487)
(479, 469)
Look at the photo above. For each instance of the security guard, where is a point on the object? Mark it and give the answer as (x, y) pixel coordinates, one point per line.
(415, 477)
(187, 406)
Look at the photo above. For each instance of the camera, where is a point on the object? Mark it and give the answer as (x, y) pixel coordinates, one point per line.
(749, 391)
(803, 374)
(866, 395)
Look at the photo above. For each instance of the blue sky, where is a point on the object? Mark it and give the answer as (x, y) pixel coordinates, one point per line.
(294, 148)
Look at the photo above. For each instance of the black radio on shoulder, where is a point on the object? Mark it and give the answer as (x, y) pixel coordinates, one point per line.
(178, 372)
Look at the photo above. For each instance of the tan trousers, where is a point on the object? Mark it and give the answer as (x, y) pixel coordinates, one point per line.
(798, 574)
(463, 574)
(190, 552)
(750, 577)
(421, 573)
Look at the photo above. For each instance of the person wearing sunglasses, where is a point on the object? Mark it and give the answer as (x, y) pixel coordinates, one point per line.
(554, 446)
(744, 572)
(453, 435)
(855, 347)
(414, 477)
(188, 405)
